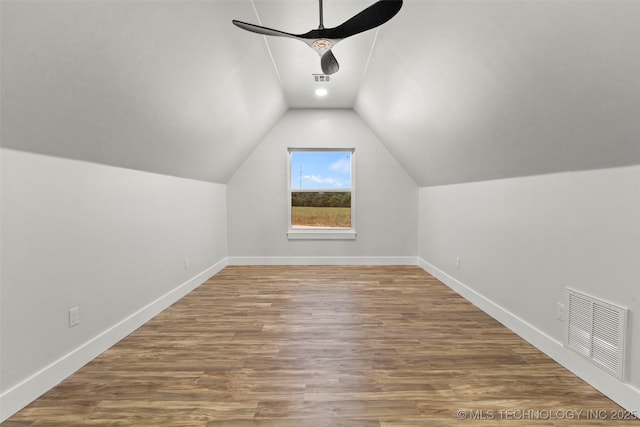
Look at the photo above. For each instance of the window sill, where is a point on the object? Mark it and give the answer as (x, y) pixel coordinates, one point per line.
(307, 234)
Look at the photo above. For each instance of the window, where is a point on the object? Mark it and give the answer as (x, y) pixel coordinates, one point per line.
(321, 187)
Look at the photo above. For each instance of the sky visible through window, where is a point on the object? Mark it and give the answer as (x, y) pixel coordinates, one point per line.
(320, 170)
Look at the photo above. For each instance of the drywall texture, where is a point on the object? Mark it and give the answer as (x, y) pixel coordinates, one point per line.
(521, 241)
(163, 86)
(463, 91)
(104, 239)
(386, 198)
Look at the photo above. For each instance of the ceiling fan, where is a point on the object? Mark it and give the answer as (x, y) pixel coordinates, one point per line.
(323, 39)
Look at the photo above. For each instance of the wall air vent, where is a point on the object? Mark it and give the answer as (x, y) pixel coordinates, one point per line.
(597, 330)
(321, 78)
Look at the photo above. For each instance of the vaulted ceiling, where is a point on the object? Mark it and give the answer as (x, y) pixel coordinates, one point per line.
(456, 90)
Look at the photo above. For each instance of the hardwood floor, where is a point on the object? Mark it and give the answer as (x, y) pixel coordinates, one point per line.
(321, 346)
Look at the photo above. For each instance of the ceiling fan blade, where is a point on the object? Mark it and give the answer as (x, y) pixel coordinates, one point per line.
(323, 39)
(329, 63)
(371, 17)
(263, 30)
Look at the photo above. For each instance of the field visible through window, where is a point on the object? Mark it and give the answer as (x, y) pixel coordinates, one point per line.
(331, 217)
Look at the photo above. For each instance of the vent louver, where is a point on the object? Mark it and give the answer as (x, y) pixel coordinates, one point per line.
(597, 331)
(321, 78)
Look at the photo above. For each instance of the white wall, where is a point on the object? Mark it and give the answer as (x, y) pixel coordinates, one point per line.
(111, 241)
(521, 241)
(386, 197)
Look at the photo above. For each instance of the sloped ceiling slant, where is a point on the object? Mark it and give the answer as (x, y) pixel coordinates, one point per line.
(165, 87)
(458, 91)
(469, 91)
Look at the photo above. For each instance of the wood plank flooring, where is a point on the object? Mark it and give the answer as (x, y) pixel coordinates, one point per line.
(321, 346)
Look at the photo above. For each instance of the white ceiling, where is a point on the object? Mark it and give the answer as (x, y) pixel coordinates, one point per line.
(164, 86)
(296, 62)
(456, 90)
(473, 90)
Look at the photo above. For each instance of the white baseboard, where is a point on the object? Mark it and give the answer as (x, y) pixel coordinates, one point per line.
(20, 395)
(324, 260)
(623, 394)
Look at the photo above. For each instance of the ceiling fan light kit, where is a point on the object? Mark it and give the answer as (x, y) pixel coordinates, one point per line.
(323, 39)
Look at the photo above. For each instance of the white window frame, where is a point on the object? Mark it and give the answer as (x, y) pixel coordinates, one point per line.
(301, 233)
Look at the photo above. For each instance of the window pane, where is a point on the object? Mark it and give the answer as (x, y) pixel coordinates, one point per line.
(320, 209)
(312, 170)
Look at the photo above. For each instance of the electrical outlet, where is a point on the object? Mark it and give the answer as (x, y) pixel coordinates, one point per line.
(458, 262)
(186, 263)
(560, 311)
(74, 316)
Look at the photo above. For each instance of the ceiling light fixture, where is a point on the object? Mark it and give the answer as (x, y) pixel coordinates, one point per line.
(321, 91)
